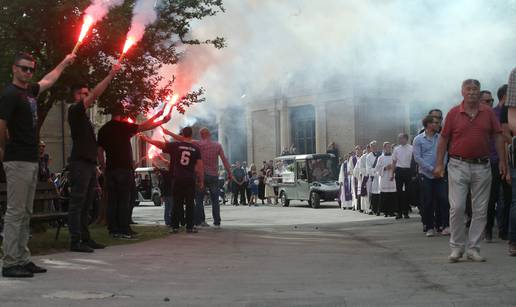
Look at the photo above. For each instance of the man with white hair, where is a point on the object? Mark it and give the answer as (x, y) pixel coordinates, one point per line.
(466, 134)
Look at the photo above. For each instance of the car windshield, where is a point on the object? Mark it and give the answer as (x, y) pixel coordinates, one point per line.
(284, 169)
(323, 169)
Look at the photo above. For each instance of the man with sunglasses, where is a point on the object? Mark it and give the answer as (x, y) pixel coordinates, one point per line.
(19, 153)
(83, 164)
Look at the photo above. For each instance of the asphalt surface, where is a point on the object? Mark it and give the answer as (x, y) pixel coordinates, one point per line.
(273, 256)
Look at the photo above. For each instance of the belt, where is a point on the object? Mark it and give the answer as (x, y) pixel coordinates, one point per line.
(472, 161)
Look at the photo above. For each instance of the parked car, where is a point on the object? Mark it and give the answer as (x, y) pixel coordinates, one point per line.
(147, 186)
(312, 178)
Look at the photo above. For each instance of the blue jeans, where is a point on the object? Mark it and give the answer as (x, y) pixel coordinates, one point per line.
(434, 193)
(211, 183)
(168, 210)
(512, 214)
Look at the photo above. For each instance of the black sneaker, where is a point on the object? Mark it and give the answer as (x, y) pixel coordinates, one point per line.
(94, 245)
(193, 230)
(81, 248)
(127, 236)
(16, 271)
(31, 267)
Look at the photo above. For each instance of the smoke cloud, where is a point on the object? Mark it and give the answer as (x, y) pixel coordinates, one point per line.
(420, 49)
(100, 8)
(144, 14)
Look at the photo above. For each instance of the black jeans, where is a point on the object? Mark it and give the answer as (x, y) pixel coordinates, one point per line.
(119, 183)
(83, 179)
(495, 201)
(183, 194)
(403, 178)
(239, 189)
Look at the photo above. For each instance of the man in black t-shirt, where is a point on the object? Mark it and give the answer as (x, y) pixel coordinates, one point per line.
(114, 140)
(19, 153)
(83, 163)
(186, 166)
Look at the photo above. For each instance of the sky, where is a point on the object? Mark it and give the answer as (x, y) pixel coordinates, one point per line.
(426, 47)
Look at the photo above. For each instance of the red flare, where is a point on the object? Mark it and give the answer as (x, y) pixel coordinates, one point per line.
(88, 22)
(172, 101)
(86, 25)
(128, 43)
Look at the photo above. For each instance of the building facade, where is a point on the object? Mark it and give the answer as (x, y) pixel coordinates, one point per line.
(309, 120)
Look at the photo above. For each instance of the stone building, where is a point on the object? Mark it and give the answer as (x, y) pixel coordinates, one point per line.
(310, 118)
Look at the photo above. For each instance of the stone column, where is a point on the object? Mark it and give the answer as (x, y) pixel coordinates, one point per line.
(320, 128)
(284, 125)
(250, 139)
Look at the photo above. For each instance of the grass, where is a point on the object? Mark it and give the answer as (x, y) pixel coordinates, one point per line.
(43, 243)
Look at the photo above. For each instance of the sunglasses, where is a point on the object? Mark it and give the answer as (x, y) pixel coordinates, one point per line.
(26, 69)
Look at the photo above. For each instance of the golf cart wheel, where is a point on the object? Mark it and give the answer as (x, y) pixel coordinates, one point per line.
(285, 202)
(156, 200)
(315, 200)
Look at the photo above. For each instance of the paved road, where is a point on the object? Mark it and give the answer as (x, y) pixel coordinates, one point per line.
(301, 257)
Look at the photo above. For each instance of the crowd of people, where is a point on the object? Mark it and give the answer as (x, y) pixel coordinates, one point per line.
(107, 156)
(456, 174)
(449, 173)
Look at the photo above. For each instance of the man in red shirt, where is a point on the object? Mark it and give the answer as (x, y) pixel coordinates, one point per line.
(466, 133)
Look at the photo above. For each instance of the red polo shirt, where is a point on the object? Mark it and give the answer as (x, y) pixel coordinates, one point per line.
(469, 137)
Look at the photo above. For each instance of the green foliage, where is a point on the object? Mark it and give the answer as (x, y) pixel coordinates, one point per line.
(48, 29)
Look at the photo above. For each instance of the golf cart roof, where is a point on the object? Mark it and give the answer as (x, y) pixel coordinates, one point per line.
(306, 157)
(145, 169)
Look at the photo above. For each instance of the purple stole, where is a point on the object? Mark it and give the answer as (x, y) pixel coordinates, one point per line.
(355, 180)
(347, 185)
(363, 186)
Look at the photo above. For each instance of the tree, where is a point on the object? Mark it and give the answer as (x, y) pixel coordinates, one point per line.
(48, 30)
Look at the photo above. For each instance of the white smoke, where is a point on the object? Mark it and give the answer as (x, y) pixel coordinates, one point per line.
(422, 49)
(144, 14)
(100, 8)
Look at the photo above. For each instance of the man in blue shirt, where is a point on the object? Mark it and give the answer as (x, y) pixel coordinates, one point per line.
(434, 189)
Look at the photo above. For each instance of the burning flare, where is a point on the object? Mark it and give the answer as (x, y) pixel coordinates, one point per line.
(129, 42)
(86, 25)
(171, 102)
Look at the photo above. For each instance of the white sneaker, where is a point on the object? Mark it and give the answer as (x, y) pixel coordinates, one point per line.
(446, 231)
(455, 255)
(430, 233)
(474, 255)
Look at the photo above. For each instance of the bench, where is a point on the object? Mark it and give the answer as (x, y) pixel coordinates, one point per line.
(48, 205)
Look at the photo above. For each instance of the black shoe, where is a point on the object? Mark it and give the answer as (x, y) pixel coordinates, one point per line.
(398, 217)
(133, 223)
(127, 236)
(31, 267)
(81, 248)
(16, 271)
(489, 236)
(174, 230)
(94, 245)
(406, 216)
(193, 230)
